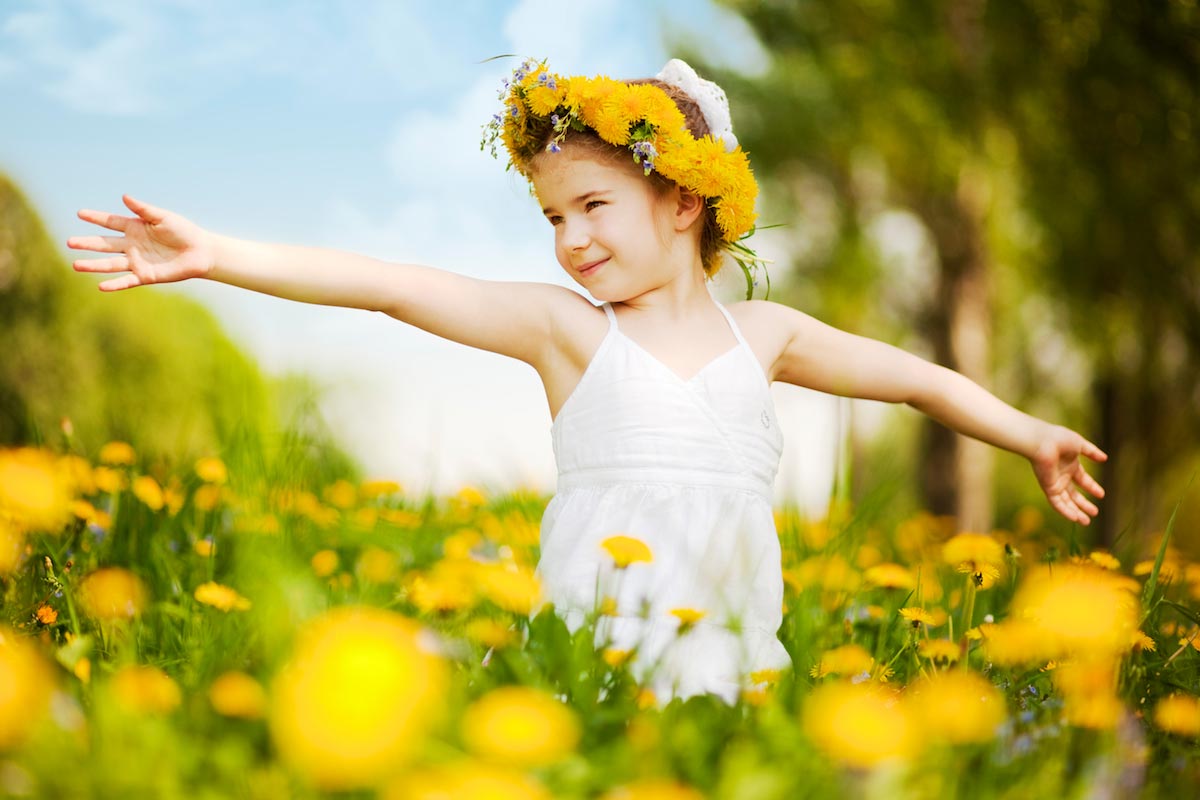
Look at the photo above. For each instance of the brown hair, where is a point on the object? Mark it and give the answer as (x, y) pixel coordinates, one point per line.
(591, 143)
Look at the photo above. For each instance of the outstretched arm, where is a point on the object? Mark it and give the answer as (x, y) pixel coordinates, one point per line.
(160, 246)
(824, 358)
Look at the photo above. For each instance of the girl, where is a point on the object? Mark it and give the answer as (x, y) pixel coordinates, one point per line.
(663, 426)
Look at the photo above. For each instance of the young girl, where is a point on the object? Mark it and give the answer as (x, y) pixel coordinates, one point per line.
(662, 421)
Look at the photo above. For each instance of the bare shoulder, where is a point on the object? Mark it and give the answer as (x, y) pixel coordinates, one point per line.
(767, 327)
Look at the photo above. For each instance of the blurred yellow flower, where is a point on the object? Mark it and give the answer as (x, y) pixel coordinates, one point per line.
(626, 550)
(939, 651)
(490, 632)
(465, 779)
(614, 657)
(956, 706)
(236, 694)
(324, 562)
(688, 617)
(341, 494)
(142, 689)
(520, 725)
(1079, 609)
(890, 576)
(207, 497)
(646, 698)
(357, 696)
(975, 550)
(513, 589)
(460, 543)
(448, 586)
(371, 490)
(1178, 714)
(1104, 559)
(376, 565)
(211, 469)
(860, 725)
(35, 491)
(221, 597)
(117, 454)
(204, 547)
(12, 542)
(766, 676)
(109, 481)
(25, 687)
(849, 659)
(608, 606)
(112, 593)
(146, 489)
(831, 573)
(653, 789)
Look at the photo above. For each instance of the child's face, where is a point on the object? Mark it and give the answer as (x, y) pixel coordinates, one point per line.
(611, 229)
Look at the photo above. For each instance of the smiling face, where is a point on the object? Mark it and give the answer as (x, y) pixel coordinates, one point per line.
(614, 233)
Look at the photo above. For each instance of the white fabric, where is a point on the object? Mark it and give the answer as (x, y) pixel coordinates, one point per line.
(688, 467)
(708, 95)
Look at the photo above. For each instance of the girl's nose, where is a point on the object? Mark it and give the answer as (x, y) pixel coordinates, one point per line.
(574, 235)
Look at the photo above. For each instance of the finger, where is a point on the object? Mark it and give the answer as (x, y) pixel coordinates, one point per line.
(101, 244)
(111, 221)
(117, 284)
(1089, 483)
(150, 213)
(1082, 502)
(114, 264)
(1091, 451)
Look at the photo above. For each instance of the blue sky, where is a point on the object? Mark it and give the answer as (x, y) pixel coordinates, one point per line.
(352, 125)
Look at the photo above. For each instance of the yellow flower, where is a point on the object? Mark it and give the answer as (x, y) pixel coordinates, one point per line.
(1079, 609)
(112, 593)
(107, 480)
(517, 589)
(890, 576)
(371, 490)
(236, 694)
(341, 494)
(917, 616)
(12, 542)
(1178, 714)
(376, 565)
(974, 550)
(25, 688)
(36, 492)
(1105, 560)
(221, 597)
(608, 607)
(490, 632)
(46, 615)
(207, 497)
(141, 689)
(766, 676)
(448, 586)
(324, 562)
(356, 698)
(861, 725)
(688, 617)
(646, 698)
(625, 550)
(204, 547)
(614, 657)
(146, 489)
(520, 725)
(211, 469)
(1142, 642)
(849, 659)
(117, 454)
(939, 651)
(465, 779)
(957, 707)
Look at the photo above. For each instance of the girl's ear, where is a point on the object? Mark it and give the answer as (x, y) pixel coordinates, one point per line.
(688, 207)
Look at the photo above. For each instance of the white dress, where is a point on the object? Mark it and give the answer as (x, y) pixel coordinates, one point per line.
(687, 466)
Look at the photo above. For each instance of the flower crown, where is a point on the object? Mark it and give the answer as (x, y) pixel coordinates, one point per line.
(541, 106)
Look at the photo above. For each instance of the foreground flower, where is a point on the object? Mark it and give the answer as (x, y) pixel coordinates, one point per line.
(211, 469)
(849, 659)
(354, 701)
(141, 689)
(860, 725)
(520, 725)
(957, 707)
(222, 597)
(25, 688)
(236, 694)
(36, 492)
(625, 550)
(512, 589)
(112, 593)
(1178, 714)
(465, 779)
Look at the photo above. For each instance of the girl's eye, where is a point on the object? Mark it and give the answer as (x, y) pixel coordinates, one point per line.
(591, 203)
(555, 220)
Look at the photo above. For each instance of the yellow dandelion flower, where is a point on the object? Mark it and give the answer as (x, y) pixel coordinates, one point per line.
(211, 469)
(490, 633)
(626, 550)
(448, 586)
(236, 694)
(1168, 571)
(916, 616)
(543, 100)
(83, 670)
(974, 550)
(957, 707)
(25, 688)
(220, 597)
(36, 492)
(614, 657)
(12, 544)
(520, 725)
(766, 676)
(340, 494)
(141, 689)
(356, 697)
(1104, 559)
(117, 453)
(463, 779)
(146, 489)
(373, 490)
(376, 565)
(860, 725)
(324, 562)
(1142, 642)
(515, 589)
(208, 497)
(890, 576)
(849, 659)
(1178, 714)
(613, 118)
(204, 548)
(608, 606)
(939, 651)
(1079, 609)
(112, 593)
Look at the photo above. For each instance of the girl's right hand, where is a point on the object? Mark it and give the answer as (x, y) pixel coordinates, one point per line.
(159, 246)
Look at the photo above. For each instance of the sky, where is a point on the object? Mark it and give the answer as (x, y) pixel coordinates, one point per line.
(355, 126)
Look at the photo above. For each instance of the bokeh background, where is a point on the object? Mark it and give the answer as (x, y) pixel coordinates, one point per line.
(1006, 189)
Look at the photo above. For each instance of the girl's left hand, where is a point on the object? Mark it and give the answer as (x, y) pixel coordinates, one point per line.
(1058, 469)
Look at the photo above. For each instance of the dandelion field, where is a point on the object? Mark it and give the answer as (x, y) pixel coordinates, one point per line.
(233, 627)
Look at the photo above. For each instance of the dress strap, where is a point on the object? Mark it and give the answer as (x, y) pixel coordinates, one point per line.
(736, 332)
(612, 317)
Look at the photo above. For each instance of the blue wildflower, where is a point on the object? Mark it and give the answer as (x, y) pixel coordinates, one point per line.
(553, 147)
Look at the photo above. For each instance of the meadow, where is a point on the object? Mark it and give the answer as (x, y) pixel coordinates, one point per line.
(231, 627)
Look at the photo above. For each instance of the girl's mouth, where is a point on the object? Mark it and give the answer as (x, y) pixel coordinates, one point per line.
(588, 269)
